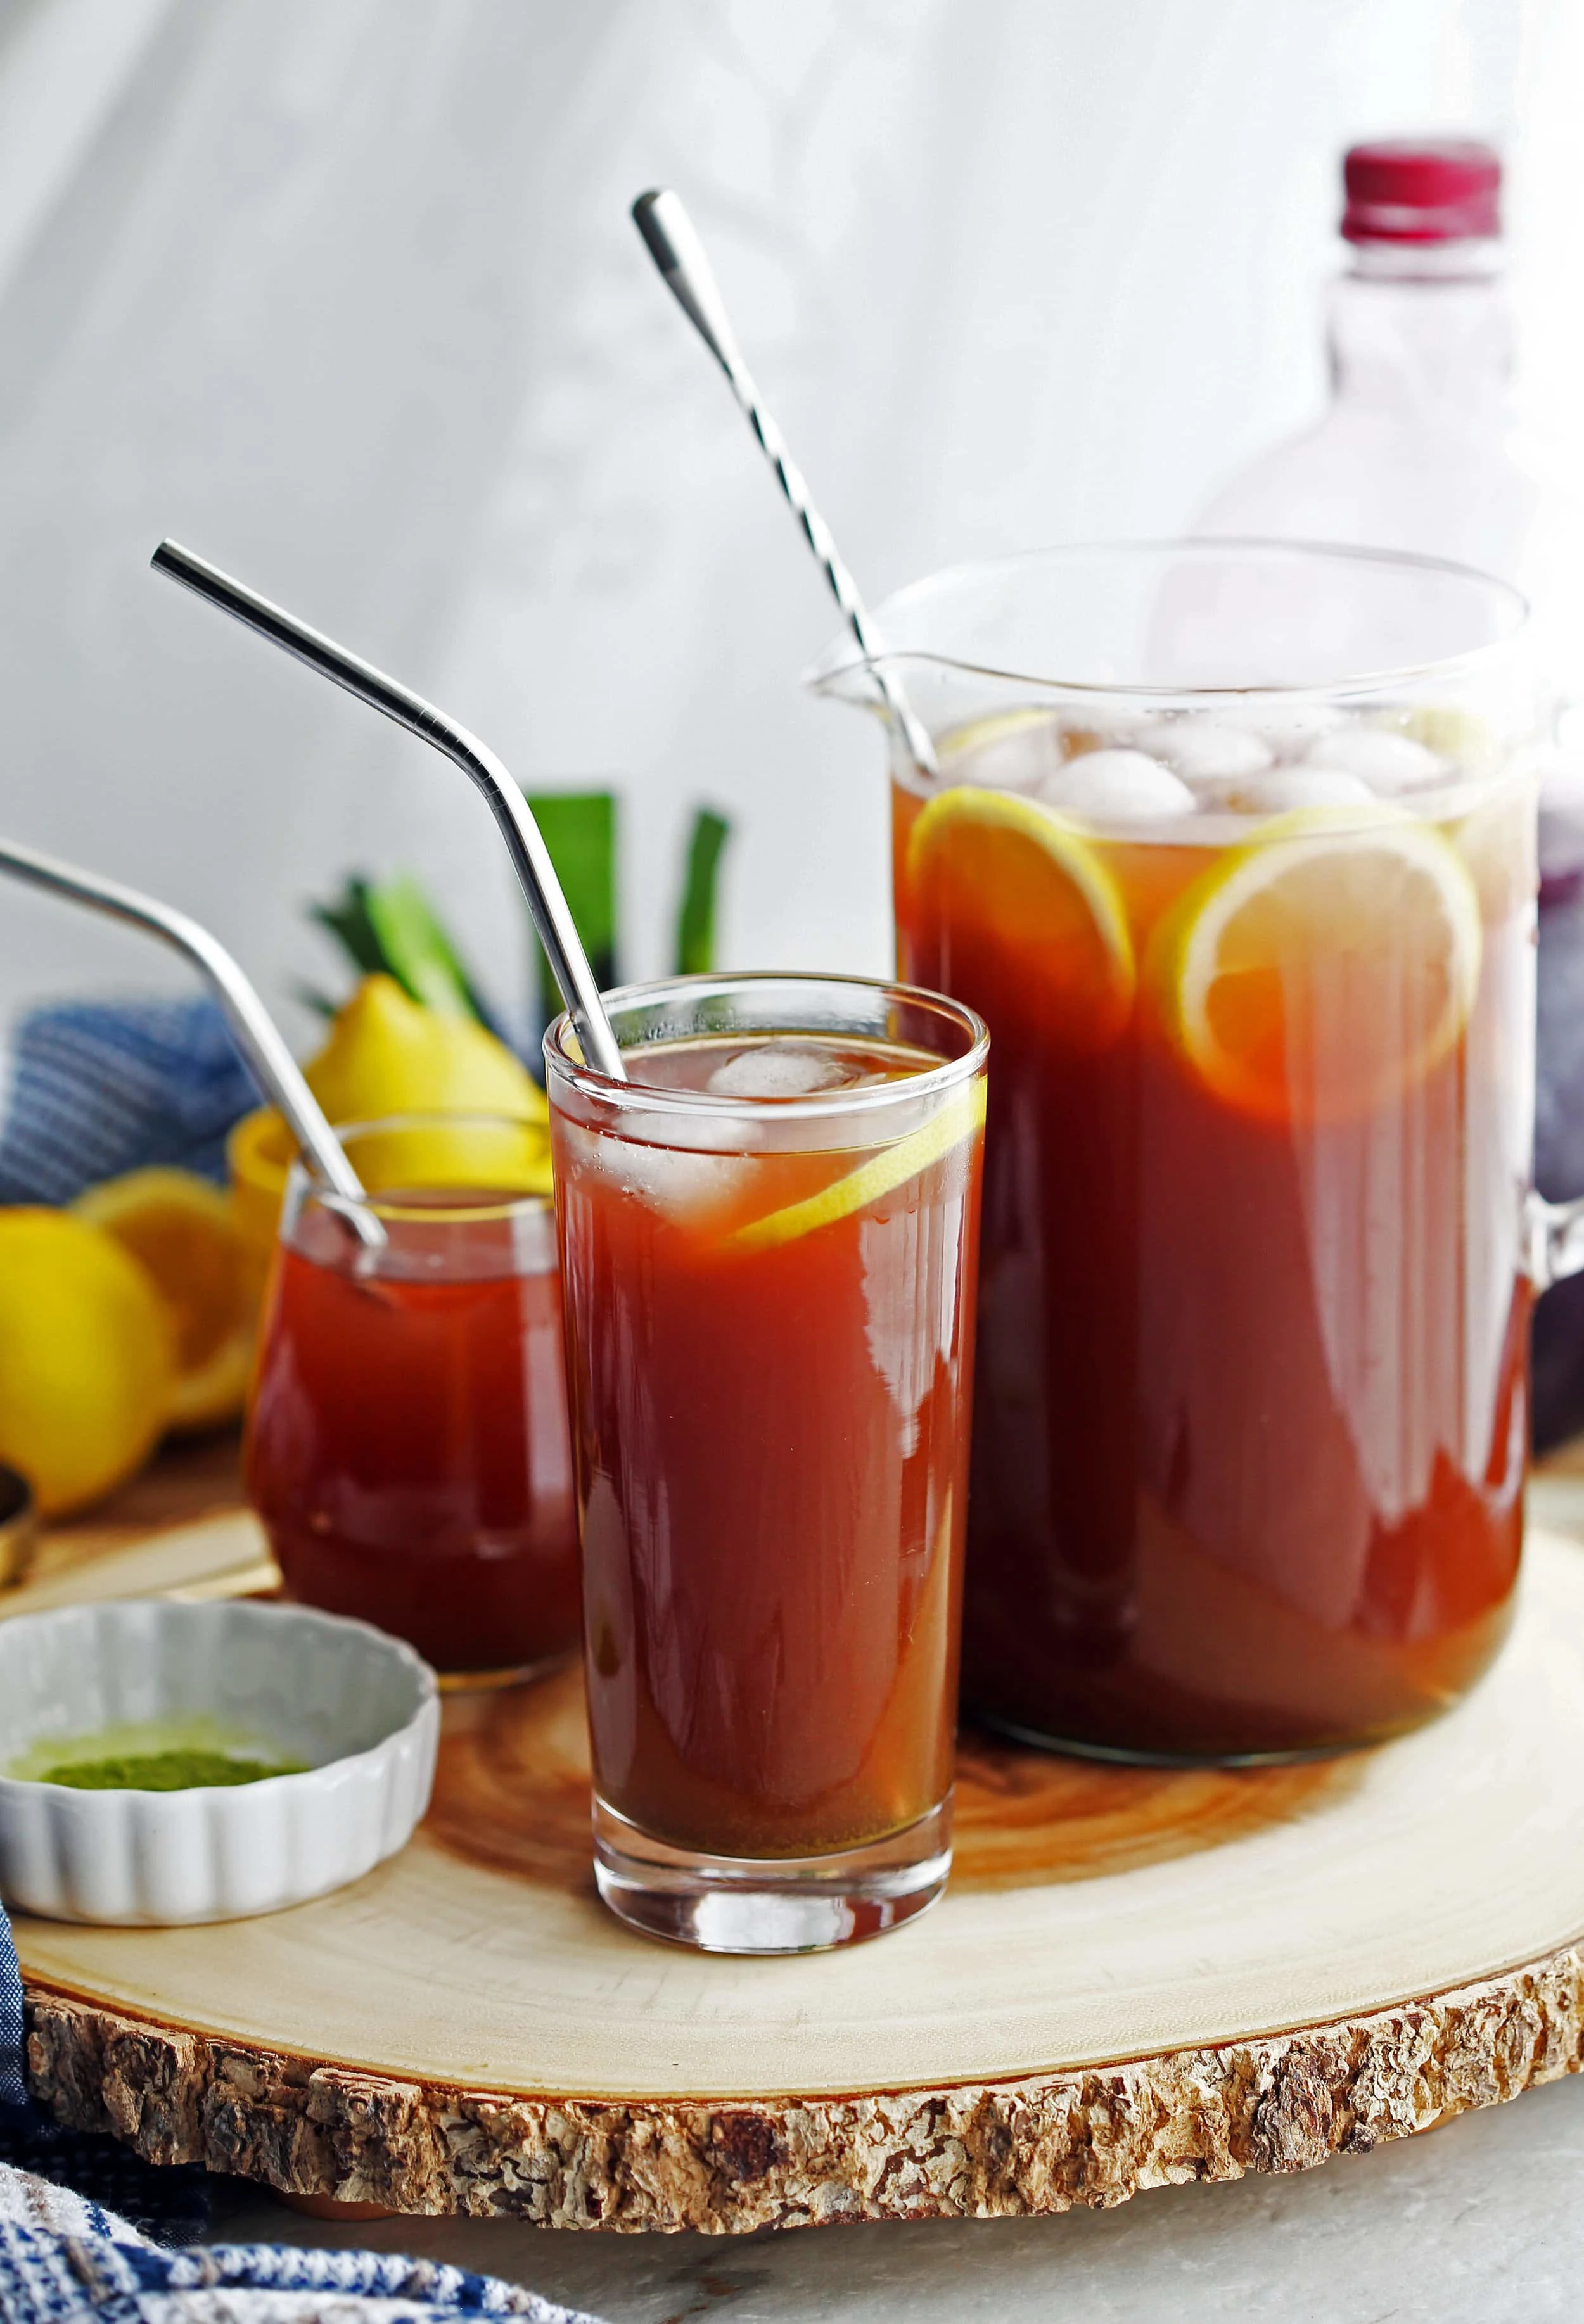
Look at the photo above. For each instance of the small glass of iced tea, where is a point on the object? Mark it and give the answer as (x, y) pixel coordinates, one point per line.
(407, 1441)
(768, 1244)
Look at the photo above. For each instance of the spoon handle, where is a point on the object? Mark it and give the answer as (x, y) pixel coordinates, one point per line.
(673, 242)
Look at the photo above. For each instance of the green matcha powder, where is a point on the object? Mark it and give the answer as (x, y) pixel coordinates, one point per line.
(164, 1771)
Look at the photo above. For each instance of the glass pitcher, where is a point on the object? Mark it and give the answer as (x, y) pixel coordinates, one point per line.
(1233, 846)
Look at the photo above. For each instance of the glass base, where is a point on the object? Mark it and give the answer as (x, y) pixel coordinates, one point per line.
(1125, 1755)
(770, 1904)
(483, 1681)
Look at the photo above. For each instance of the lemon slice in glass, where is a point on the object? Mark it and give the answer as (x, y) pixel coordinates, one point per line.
(1325, 967)
(959, 1117)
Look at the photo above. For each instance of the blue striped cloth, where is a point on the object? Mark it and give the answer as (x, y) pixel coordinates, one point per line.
(97, 1087)
(66, 2258)
(12, 2093)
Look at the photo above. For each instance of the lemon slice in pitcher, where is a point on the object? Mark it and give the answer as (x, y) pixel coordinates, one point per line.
(1006, 893)
(1325, 967)
(882, 1174)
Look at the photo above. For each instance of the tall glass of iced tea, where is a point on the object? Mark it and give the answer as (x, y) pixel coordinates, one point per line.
(407, 1442)
(768, 1240)
(1232, 844)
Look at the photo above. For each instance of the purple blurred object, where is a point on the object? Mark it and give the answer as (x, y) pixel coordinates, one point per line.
(1557, 1343)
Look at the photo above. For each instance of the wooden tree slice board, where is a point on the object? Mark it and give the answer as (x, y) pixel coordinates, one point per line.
(1136, 1976)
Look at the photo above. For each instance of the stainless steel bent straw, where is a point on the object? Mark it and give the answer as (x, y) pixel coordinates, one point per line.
(530, 856)
(273, 1066)
(673, 242)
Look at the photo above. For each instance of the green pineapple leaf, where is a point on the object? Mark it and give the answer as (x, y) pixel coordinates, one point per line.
(695, 941)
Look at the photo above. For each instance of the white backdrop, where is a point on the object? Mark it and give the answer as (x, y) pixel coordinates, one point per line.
(343, 294)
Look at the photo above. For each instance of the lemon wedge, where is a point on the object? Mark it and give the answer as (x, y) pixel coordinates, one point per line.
(1007, 895)
(182, 1230)
(1327, 966)
(961, 1115)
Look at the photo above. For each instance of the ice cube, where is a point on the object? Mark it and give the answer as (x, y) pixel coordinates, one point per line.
(682, 1185)
(1201, 750)
(1387, 763)
(1112, 730)
(780, 1069)
(685, 1176)
(1010, 752)
(1114, 786)
(1284, 789)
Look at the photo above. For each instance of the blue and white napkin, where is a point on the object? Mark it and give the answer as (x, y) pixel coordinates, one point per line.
(67, 2258)
(98, 1087)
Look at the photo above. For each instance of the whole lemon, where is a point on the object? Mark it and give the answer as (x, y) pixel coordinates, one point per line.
(387, 1055)
(88, 1364)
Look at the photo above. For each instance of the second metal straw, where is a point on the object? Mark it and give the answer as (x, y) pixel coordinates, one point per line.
(274, 1066)
(530, 856)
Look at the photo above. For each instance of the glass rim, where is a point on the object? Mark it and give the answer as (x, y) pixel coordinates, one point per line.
(302, 1182)
(841, 658)
(639, 1097)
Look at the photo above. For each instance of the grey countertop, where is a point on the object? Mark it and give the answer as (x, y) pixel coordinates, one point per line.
(1475, 2223)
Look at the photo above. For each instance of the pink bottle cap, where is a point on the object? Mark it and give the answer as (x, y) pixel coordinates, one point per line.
(1423, 190)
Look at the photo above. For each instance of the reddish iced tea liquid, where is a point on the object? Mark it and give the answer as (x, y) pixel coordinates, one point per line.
(1251, 1409)
(407, 1449)
(772, 1449)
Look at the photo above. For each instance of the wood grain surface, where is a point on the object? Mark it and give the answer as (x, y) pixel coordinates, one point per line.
(194, 1478)
(1136, 1976)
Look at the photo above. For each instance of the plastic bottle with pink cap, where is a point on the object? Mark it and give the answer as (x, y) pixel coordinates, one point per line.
(1419, 449)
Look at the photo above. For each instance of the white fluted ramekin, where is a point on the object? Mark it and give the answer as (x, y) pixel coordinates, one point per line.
(360, 1709)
